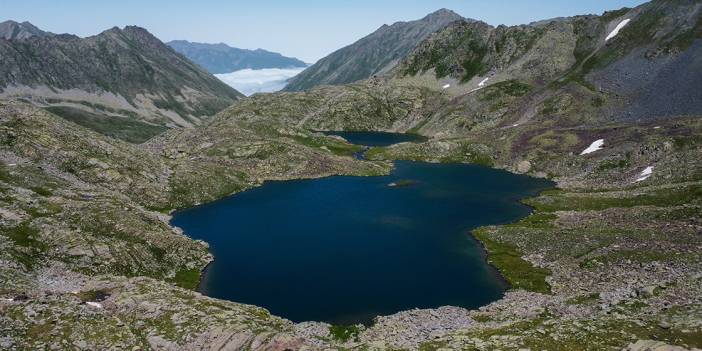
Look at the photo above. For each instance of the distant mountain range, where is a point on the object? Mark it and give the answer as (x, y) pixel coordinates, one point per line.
(374, 54)
(222, 58)
(127, 74)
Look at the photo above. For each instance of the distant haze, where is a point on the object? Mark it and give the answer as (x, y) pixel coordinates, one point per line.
(251, 81)
(306, 29)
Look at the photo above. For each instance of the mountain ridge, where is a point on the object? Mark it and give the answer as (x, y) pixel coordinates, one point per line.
(12, 30)
(127, 74)
(373, 54)
(222, 58)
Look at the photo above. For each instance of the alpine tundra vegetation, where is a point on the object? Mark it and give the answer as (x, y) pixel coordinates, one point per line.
(102, 137)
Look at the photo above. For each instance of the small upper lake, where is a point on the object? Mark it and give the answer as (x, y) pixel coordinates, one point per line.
(377, 138)
(346, 249)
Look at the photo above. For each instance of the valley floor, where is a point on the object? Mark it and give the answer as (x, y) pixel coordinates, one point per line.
(88, 264)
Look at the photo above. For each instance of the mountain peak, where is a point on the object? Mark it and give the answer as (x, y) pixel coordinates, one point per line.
(376, 53)
(443, 15)
(12, 30)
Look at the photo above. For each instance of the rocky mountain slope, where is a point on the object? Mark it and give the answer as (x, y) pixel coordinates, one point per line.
(81, 222)
(124, 77)
(222, 58)
(13, 30)
(610, 260)
(374, 54)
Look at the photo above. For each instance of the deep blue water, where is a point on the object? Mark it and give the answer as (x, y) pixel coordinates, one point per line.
(346, 249)
(377, 138)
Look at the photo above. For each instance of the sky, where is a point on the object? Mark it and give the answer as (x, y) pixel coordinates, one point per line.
(306, 29)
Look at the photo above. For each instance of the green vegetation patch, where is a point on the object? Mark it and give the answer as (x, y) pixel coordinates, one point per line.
(41, 191)
(600, 201)
(536, 220)
(513, 88)
(126, 129)
(336, 147)
(344, 333)
(508, 260)
(187, 278)
(28, 248)
(23, 235)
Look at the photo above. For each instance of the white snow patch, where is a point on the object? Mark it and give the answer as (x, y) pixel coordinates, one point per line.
(617, 29)
(596, 145)
(645, 174)
(446, 86)
(515, 125)
(94, 304)
(7, 300)
(251, 81)
(482, 82)
(657, 127)
(12, 164)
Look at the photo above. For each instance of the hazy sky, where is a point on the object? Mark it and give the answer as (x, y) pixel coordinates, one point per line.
(307, 29)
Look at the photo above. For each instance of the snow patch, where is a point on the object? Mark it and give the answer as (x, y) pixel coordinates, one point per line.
(657, 127)
(11, 164)
(7, 300)
(645, 174)
(595, 146)
(446, 86)
(482, 82)
(617, 29)
(94, 304)
(515, 125)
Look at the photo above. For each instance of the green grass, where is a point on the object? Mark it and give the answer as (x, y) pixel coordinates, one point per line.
(613, 164)
(23, 235)
(187, 278)
(126, 129)
(536, 220)
(344, 333)
(587, 201)
(507, 259)
(336, 147)
(28, 248)
(375, 153)
(512, 88)
(41, 191)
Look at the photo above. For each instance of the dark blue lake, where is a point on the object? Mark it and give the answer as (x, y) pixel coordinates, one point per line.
(347, 249)
(377, 138)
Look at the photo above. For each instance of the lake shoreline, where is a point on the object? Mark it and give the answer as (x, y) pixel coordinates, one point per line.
(483, 252)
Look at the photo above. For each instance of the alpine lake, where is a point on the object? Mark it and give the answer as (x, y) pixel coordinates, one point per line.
(346, 249)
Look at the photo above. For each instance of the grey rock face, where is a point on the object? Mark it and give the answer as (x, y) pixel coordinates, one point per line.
(126, 72)
(11, 30)
(375, 54)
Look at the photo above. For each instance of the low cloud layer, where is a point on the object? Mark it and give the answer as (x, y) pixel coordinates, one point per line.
(251, 81)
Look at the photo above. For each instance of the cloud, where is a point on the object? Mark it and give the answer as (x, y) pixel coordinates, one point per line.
(251, 81)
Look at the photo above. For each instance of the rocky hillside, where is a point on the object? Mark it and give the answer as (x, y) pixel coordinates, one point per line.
(474, 77)
(82, 220)
(375, 54)
(222, 58)
(13, 30)
(610, 260)
(120, 77)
